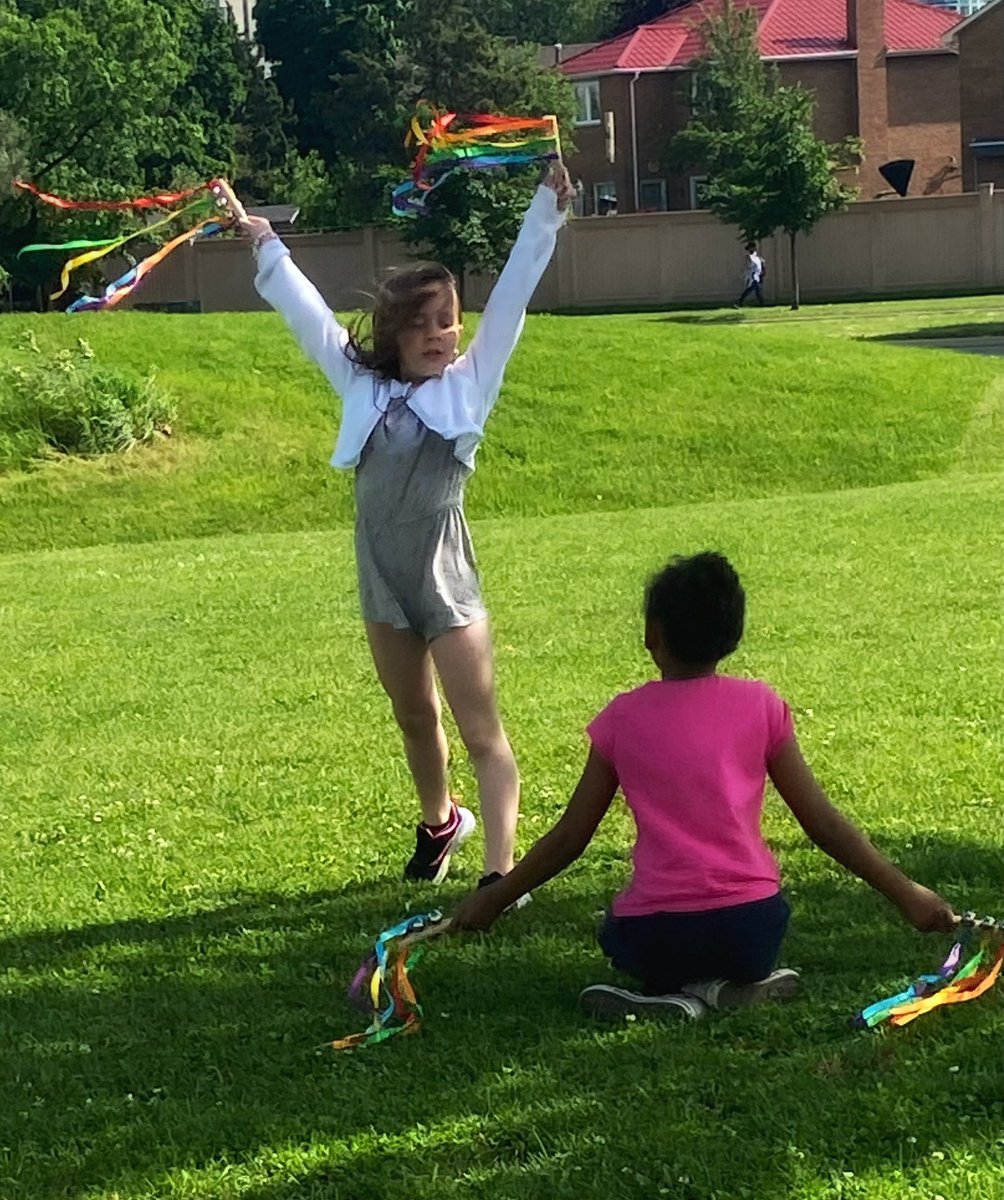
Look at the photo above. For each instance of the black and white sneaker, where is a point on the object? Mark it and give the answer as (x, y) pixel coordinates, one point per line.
(723, 993)
(434, 847)
(493, 877)
(606, 1003)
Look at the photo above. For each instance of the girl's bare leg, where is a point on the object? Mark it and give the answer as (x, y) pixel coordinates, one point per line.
(405, 668)
(464, 660)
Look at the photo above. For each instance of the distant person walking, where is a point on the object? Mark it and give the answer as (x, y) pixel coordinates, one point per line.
(756, 270)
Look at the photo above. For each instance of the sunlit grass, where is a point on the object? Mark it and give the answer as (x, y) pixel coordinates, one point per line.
(206, 810)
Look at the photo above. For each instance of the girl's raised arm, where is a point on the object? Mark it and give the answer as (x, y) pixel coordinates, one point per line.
(502, 320)
(284, 286)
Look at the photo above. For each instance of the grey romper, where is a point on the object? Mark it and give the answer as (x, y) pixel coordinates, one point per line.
(414, 555)
(412, 450)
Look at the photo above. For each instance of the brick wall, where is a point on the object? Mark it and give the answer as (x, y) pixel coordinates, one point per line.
(866, 30)
(981, 67)
(662, 108)
(911, 110)
(832, 82)
(924, 115)
(589, 163)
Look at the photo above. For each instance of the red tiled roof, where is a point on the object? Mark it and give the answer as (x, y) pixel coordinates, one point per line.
(788, 28)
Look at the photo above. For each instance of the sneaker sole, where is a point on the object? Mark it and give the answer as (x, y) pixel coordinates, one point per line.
(464, 830)
(781, 986)
(609, 1004)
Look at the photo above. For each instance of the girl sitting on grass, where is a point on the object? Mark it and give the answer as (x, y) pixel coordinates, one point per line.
(701, 922)
(413, 414)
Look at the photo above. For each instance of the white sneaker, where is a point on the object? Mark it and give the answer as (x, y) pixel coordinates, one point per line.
(607, 1003)
(723, 993)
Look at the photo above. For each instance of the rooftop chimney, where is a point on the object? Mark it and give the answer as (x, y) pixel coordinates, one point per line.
(866, 34)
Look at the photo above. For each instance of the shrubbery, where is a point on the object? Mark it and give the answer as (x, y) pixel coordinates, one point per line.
(68, 404)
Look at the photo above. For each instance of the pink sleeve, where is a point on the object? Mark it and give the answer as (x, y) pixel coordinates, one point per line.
(601, 730)
(780, 727)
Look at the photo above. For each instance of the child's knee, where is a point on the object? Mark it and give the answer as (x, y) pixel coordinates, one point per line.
(484, 739)
(417, 721)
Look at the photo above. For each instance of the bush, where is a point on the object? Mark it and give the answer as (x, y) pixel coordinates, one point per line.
(68, 404)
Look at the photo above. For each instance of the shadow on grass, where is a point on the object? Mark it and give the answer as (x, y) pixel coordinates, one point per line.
(185, 1057)
(731, 317)
(970, 329)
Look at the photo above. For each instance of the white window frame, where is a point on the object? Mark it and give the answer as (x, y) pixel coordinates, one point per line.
(606, 187)
(661, 184)
(695, 183)
(587, 100)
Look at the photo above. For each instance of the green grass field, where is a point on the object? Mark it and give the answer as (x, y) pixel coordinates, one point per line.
(206, 811)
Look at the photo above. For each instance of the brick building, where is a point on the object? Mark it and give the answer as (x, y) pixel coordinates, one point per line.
(980, 44)
(886, 71)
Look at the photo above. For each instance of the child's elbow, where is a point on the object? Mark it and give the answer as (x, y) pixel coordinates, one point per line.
(569, 843)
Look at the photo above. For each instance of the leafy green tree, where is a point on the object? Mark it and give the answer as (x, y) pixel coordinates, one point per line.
(473, 218)
(13, 152)
(544, 22)
(354, 80)
(766, 168)
(341, 69)
(116, 97)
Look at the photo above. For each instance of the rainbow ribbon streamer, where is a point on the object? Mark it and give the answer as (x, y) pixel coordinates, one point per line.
(470, 142)
(382, 984)
(205, 207)
(972, 967)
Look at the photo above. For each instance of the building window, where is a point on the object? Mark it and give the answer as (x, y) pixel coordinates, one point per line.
(697, 183)
(653, 195)
(587, 102)
(605, 199)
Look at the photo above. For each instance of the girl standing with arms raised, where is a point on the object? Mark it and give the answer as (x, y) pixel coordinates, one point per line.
(413, 415)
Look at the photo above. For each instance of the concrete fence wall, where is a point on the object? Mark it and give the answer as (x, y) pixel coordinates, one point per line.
(876, 248)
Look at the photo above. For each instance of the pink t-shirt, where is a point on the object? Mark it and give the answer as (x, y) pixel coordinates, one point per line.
(691, 757)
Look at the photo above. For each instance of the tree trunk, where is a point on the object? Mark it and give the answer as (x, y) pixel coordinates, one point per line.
(795, 297)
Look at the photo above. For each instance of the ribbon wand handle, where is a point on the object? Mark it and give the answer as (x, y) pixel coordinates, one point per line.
(555, 133)
(227, 198)
(422, 935)
(988, 924)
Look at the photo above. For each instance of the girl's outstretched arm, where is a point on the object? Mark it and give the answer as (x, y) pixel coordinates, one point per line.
(841, 839)
(284, 286)
(558, 848)
(502, 321)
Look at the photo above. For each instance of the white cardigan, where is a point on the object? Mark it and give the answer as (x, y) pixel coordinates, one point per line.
(455, 405)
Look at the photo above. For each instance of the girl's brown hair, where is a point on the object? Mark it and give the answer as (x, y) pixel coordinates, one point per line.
(373, 337)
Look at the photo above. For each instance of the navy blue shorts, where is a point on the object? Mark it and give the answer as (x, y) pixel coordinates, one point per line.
(666, 950)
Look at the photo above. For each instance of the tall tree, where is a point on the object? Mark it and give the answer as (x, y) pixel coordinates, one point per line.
(544, 22)
(473, 219)
(340, 67)
(114, 97)
(766, 168)
(354, 97)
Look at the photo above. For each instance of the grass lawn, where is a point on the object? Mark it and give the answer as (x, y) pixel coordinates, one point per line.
(207, 812)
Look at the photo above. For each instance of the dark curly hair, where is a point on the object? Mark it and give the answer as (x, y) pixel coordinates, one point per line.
(373, 337)
(698, 605)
